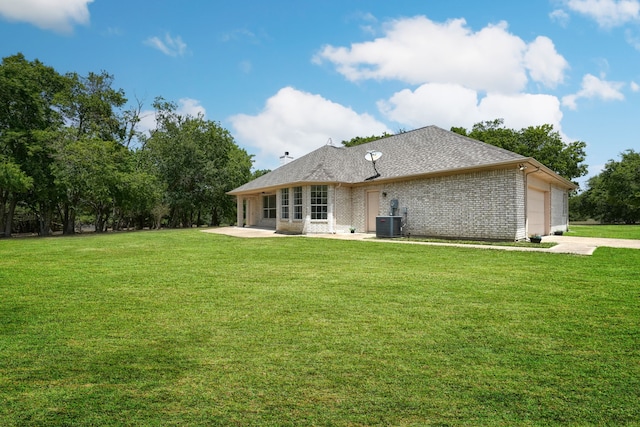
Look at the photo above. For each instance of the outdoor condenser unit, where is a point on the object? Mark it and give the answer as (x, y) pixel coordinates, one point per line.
(388, 226)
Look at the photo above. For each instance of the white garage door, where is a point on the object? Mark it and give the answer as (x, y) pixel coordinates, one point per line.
(536, 212)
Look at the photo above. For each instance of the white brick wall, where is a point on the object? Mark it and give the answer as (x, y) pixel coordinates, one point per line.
(482, 205)
(339, 200)
(479, 205)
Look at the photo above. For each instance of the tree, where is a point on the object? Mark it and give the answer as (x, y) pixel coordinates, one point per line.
(590, 203)
(13, 181)
(138, 192)
(622, 183)
(364, 139)
(67, 148)
(29, 113)
(540, 142)
(198, 162)
(259, 172)
(236, 172)
(89, 106)
(613, 196)
(492, 132)
(91, 150)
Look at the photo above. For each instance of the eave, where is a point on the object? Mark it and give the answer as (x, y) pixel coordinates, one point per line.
(528, 162)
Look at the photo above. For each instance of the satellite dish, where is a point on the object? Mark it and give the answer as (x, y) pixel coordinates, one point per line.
(372, 156)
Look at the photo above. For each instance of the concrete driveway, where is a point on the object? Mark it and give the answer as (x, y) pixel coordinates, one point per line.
(586, 245)
(565, 244)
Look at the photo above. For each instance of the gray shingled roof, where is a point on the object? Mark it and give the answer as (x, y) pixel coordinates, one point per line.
(418, 152)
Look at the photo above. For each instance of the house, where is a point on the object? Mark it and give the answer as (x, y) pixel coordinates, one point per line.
(439, 183)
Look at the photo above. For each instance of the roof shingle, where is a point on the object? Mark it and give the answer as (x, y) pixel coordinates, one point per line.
(422, 151)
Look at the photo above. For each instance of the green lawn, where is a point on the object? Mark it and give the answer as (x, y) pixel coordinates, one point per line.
(187, 328)
(610, 231)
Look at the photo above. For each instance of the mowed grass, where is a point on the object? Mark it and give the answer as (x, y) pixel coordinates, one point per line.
(187, 328)
(606, 231)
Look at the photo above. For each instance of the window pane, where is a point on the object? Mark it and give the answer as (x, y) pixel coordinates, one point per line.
(319, 197)
(269, 206)
(284, 198)
(297, 202)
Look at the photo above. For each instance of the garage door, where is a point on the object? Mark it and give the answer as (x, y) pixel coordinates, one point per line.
(536, 212)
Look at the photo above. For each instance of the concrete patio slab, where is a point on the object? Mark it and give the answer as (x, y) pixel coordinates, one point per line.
(565, 244)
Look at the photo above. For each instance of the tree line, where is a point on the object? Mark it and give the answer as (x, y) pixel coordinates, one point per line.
(71, 153)
(613, 196)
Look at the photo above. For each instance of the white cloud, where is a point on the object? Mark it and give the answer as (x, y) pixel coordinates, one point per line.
(113, 31)
(169, 46)
(634, 87)
(560, 16)
(147, 122)
(299, 122)
(441, 104)
(594, 88)
(59, 16)
(240, 34)
(447, 105)
(545, 65)
(607, 13)
(632, 38)
(417, 51)
(368, 22)
(191, 107)
(522, 110)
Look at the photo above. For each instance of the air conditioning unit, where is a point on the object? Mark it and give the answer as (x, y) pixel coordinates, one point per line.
(388, 226)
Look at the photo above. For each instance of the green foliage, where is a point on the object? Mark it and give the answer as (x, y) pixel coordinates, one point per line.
(66, 152)
(540, 142)
(613, 196)
(12, 178)
(259, 172)
(28, 112)
(188, 328)
(93, 173)
(364, 139)
(198, 162)
(89, 106)
(27, 93)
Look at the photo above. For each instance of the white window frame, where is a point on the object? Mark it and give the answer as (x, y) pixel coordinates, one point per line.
(284, 203)
(269, 211)
(297, 203)
(319, 202)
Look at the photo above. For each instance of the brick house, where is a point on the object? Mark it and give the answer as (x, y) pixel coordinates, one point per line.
(437, 182)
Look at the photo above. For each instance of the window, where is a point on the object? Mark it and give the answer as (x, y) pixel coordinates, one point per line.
(269, 206)
(297, 202)
(284, 203)
(319, 198)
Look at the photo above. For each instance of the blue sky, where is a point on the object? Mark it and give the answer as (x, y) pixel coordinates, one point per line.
(290, 75)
